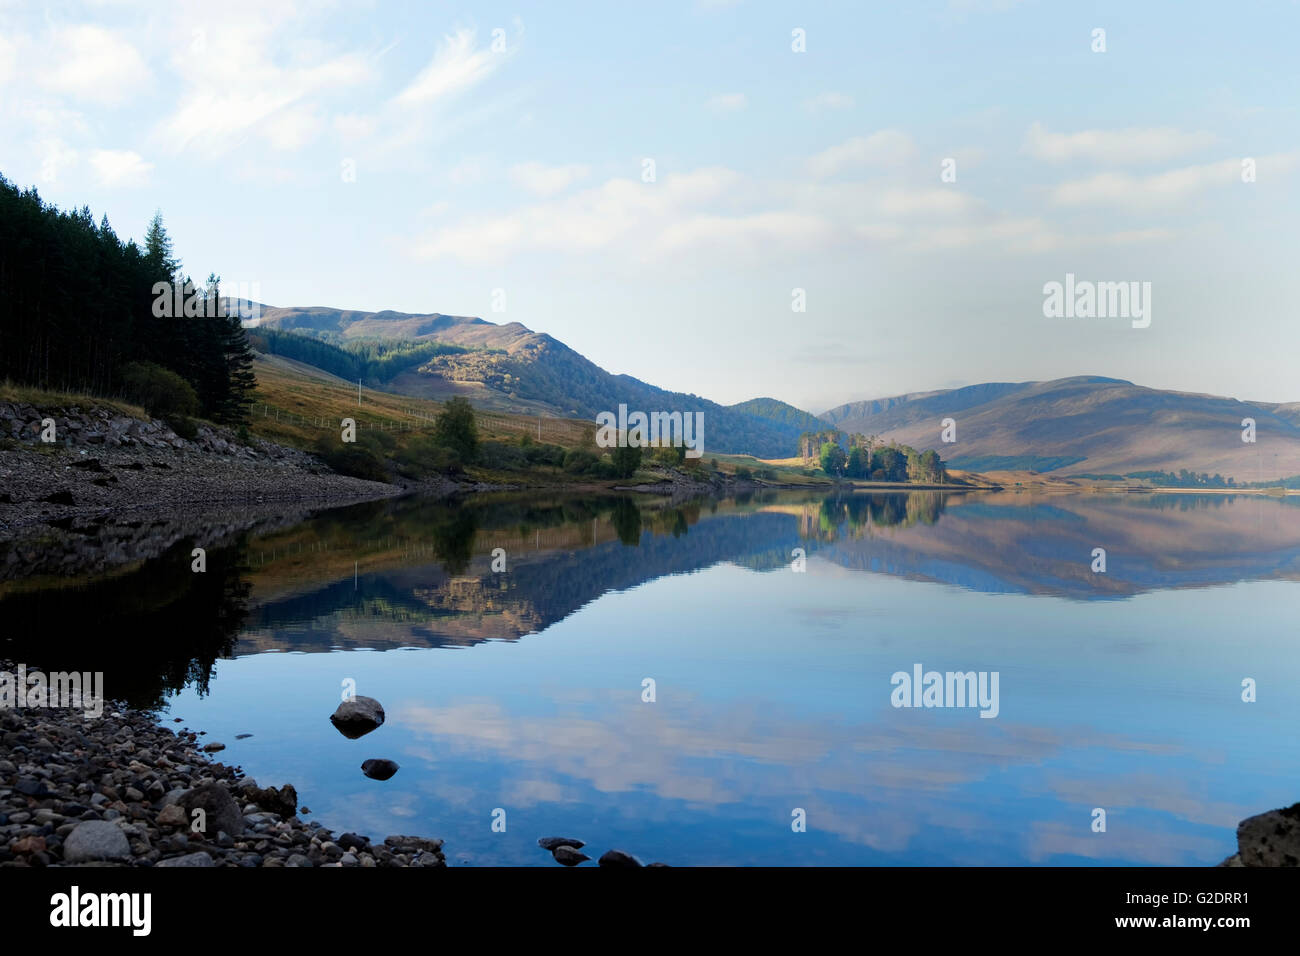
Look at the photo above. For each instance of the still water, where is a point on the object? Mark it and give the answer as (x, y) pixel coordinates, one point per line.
(525, 690)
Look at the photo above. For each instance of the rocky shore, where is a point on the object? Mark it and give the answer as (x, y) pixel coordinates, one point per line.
(113, 489)
(102, 460)
(121, 790)
(1268, 839)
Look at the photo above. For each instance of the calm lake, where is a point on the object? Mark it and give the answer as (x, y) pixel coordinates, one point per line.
(524, 690)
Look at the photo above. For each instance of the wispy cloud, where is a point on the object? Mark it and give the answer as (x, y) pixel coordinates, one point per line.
(542, 180)
(727, 102)
(888, 147)
(93, 64)
(1164, 189)
(1115, 146)
(120, 167)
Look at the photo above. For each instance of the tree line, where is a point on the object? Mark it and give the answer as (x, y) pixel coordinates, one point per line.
(79, 312)
(374, 361)
(869, 459)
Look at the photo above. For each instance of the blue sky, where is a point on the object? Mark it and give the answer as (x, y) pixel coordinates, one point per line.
(520, 168)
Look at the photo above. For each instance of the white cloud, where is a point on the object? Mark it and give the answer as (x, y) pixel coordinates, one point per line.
(1114, 146)
(830, 101)
(120, 167)
(255, 71)
(727, 102)
(456, 66)
(293, 128)
(91, 63)
(885, 148)
(1163, 189)
(547, 180)
(56, 156)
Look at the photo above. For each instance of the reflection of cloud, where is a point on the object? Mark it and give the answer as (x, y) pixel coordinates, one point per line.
(1144, 844)
(1148, 791)
(875, 784)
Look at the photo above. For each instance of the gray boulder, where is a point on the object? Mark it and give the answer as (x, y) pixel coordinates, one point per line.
(568, 855)
(618, 858)
(96, 840)
(219, 807)
(357, 717)
(189, 859)
(550, 843)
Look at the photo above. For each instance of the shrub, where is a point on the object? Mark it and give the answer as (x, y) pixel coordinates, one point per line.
(161, 391)
(456, 429)
(625, 460)
(423, 457)
(578, 461)
(355, 459)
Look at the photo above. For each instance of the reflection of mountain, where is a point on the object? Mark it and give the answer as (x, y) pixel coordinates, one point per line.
(424, 606)
(1004, 543)
(419, 573)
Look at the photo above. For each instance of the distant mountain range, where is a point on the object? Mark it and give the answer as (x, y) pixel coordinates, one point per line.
(511, 367)
(1087, 424)
(1082, 425)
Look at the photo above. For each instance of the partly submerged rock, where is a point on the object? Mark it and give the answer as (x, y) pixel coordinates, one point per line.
(618, 858)
(379, 768)
(550, 843)
(358, 716)
(569, 856)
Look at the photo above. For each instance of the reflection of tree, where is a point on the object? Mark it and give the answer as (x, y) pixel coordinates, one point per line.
(626, 518)
(150, 632)
(453, 540)
(861, 513)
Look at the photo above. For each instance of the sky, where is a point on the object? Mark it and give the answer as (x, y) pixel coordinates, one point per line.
(662, 186)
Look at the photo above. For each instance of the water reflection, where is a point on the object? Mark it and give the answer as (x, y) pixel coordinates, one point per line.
(419, 573)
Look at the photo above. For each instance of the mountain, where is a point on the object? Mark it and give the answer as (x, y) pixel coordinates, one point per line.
(780, 412)
(1087, 425)
(513, 368)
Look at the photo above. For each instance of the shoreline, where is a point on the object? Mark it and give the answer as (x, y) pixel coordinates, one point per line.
(122, 790)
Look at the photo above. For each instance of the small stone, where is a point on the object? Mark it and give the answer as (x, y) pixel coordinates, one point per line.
(172, 816)
(550, 843)
(189, 859)
(618, 858)
(568, 855)
(213, 748)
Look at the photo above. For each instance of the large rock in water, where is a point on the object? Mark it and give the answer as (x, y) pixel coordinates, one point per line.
(1270, 839)
(550, 843)
(221, 813)
(96, 840)
(357, 717)
(618, 858)
(379, 768)
(568, 855)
